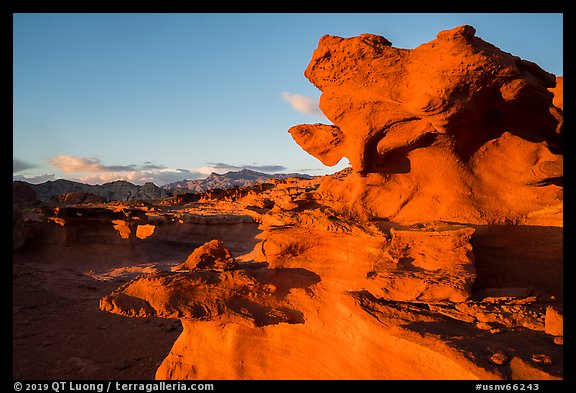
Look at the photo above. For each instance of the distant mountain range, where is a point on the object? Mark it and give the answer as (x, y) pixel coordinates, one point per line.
(244, 177)
(117, 190)
(124, 191)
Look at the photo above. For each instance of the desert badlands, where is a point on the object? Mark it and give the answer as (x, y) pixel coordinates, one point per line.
(437, 255)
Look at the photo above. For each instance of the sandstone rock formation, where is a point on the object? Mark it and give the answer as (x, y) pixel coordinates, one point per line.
(314, 293)
(398, 299)
(429, 265)
(416, 263)
(322, 322)
(206, 293)
(377, 265)
(455, 129)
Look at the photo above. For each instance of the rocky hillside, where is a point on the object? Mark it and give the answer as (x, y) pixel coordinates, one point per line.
(23, 193)
(118, 190)
(125, 191)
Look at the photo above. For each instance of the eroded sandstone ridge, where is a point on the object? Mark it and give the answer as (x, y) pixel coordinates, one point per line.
(438, 255)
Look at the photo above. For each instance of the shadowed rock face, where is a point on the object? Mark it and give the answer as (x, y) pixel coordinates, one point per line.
(78, 197)
(22, 193)
(455, 121)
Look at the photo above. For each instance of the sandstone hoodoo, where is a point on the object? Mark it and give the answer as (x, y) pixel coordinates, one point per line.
(455, 129)
(436, 255)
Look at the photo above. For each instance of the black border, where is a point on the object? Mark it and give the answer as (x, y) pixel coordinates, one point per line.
(285, 6)
(517, 6)
(269, 386)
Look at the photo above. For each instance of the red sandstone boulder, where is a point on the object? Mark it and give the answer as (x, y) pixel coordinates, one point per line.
(210, 256)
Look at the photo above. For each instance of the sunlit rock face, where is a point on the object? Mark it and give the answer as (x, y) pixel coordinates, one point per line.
(455, 129)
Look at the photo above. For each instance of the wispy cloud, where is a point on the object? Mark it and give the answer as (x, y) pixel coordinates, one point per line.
(19, 165)
(74, 164)
(149, 165)
(303, 104)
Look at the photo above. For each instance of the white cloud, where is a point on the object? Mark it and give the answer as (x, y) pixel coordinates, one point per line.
(92, 171)
(105, 177)
(303, 104)
(158, 177)
(74, 164)
(204, 170)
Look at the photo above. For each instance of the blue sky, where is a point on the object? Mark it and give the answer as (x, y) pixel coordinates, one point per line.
(165, 97)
